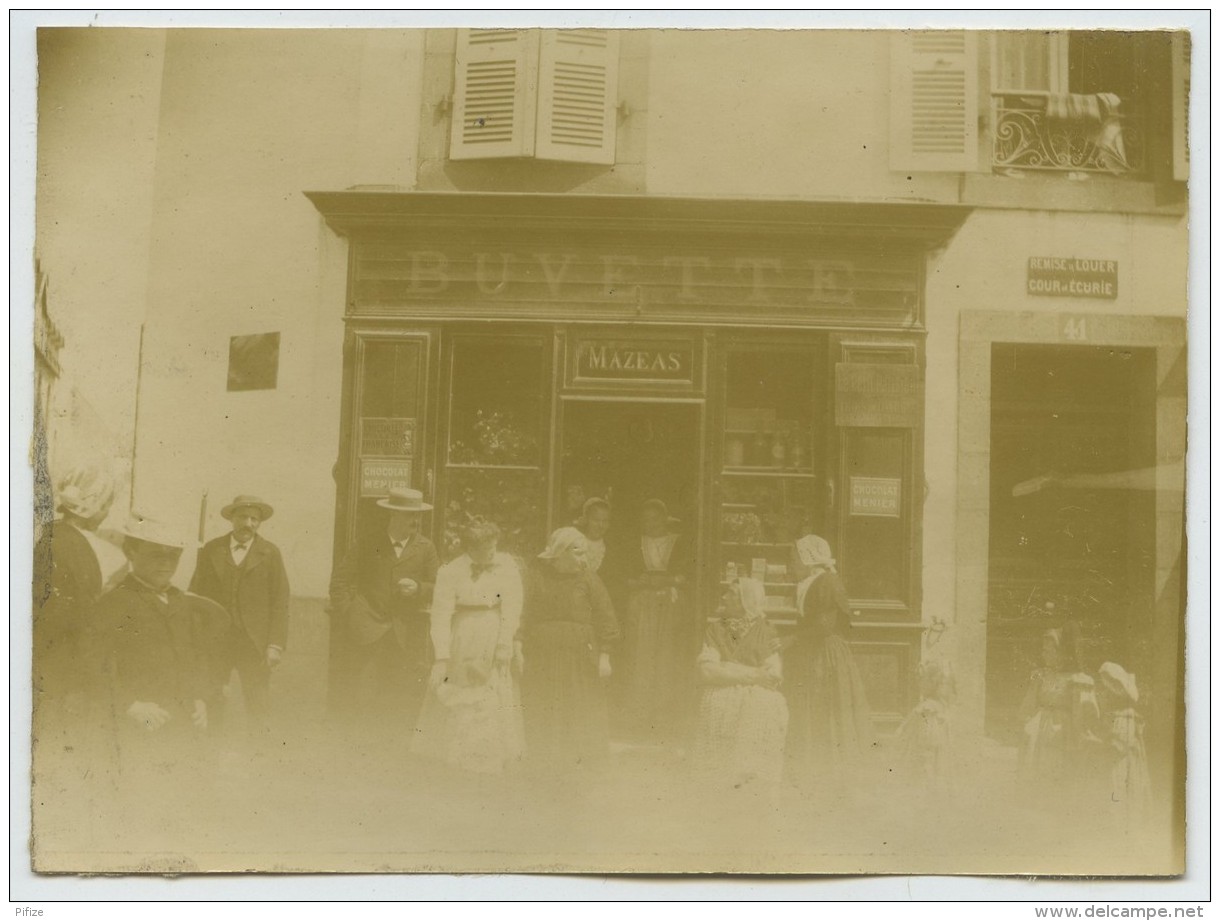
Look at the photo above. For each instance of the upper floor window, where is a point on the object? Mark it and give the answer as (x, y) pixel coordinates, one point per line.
(1073, 102)
(546, 94)
(1070, 101)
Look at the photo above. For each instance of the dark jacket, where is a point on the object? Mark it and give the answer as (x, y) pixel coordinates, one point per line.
(67, 583)
(255, 593)
(161, 652)
(370, 573)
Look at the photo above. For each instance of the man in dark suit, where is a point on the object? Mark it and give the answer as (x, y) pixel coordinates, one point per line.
(155, 650)
(379, 596)
(244, 573)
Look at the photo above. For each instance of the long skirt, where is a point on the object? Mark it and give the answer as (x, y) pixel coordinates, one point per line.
(564, 698)
(830, 728)
(473, 720)
(660, 658)
(740, 734)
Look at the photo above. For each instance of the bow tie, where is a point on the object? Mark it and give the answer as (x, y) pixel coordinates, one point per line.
(240, 548)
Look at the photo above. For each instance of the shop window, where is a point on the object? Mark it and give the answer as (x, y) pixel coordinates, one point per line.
(498, 428)
(876, 526)
(254, 362)
(387, 440)
(767, 491)
(545, 94)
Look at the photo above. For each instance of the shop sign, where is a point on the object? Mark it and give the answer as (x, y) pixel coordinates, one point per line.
(787, 279)
(1057, 276)
(378, 475)
(877, 395)
(620, 360)
(876, 497)
(387, 437)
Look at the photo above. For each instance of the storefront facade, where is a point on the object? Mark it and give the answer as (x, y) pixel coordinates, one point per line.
(758, 367)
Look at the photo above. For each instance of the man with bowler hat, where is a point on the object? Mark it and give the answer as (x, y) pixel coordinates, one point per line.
(244, 573)
(379, 596)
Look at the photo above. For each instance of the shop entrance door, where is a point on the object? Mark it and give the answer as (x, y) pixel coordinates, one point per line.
(1072, 511)
(630, 451)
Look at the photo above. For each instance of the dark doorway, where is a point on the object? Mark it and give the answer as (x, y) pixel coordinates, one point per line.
(629, 452)
(1072, 517)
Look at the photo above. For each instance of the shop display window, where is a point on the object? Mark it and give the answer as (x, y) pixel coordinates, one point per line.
(497, 440)
(768, 495)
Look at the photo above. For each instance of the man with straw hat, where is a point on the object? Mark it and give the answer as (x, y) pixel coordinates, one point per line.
(379, 597)
(156, 649)
(244, 573)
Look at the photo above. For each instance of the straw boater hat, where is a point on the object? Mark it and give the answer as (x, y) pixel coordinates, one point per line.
(402, 499)
(264, 510)
(156, 531)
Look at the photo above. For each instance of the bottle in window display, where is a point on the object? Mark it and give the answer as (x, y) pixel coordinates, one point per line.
(779, 451)
(761, 453)
(797, 455)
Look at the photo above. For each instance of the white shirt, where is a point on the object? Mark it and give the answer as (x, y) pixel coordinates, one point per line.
(595, 554)
(656, 551)
(238, 549)
(498, 586)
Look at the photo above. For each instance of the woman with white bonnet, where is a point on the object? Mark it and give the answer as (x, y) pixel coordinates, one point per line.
(743, 718)
(1129, 791)
(72, 569)
(567, 630)
(830, 726)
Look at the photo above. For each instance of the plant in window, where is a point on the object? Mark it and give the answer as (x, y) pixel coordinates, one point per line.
(496, 439)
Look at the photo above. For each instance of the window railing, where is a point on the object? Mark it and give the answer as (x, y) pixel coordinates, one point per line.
(1078, 133)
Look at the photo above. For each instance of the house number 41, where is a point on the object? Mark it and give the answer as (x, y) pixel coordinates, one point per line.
(1075, 329)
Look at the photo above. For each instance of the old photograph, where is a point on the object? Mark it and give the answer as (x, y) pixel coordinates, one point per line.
(593, 450)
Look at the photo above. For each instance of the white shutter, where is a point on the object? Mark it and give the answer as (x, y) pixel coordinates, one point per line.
(934, 104)
(1181, 105)
(494, 94)
(577, 95)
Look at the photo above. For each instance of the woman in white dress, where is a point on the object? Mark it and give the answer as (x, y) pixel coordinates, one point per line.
(471, 717)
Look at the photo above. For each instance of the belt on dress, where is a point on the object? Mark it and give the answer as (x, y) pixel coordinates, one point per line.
(476, 607)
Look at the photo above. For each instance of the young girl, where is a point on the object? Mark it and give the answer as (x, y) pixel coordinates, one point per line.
(1058, 716)
(925, 737)
(1122, 734)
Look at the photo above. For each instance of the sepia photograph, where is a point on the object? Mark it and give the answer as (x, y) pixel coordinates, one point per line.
(609, 450)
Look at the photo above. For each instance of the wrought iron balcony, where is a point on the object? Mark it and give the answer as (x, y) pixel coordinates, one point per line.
(1081, 134)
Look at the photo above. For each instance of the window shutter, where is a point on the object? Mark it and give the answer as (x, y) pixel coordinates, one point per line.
(577, 95)
(494, 94)
(1181, 105)
(934, 105)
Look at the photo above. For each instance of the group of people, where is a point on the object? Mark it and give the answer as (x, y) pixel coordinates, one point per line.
(122, 654)
(486, 660)
(1082, 738)
(480, 663)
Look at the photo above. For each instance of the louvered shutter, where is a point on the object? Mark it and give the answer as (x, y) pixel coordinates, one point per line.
(577, 95)
(1181, 104)
(934, 102)
(494, 94)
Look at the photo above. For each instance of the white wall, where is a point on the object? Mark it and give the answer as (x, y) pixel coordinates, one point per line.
(98, 102)
(250, 121)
